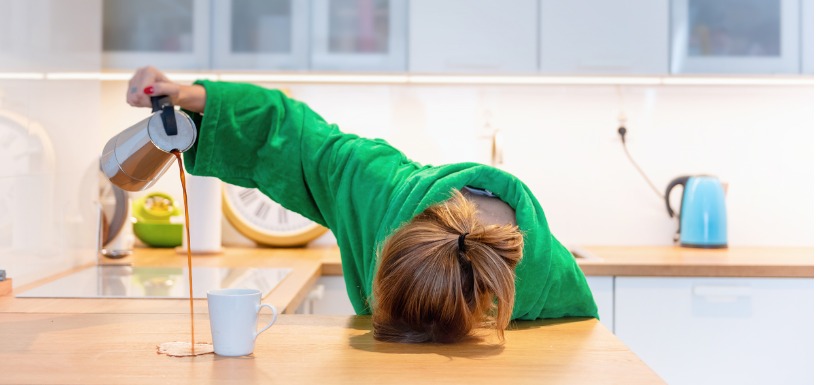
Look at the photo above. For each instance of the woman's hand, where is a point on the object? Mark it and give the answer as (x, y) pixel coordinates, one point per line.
(149, 81)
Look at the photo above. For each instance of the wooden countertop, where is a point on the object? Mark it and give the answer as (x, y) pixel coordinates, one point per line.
(105, 348)
(113, 341)
(672, 261)
(310, 263)
(783, 262)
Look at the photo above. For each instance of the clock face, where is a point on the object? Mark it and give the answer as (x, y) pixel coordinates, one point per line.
(13, 145)
(265, 221)
(26, 171)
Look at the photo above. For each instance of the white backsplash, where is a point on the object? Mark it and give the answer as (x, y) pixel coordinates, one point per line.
(560, 140)
(48, 217)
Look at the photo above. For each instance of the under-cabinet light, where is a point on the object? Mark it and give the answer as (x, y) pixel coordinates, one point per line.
(73, 76)
(118, 76)
(530, 80)
(315, 78)
(22, 75)
(329, 78)
(738, 81)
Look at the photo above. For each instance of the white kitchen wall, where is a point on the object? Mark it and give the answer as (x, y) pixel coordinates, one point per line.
(562, 142)
(49, 136)
(50, 139)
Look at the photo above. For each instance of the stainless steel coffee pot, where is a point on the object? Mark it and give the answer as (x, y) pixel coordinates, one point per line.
(135, 158)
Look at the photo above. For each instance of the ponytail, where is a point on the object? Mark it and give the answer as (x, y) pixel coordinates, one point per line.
(444, 274)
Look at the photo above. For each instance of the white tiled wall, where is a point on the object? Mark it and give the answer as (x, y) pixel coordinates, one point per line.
(562, 141)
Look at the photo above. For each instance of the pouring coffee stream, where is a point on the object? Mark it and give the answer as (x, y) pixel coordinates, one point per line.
(137, 157)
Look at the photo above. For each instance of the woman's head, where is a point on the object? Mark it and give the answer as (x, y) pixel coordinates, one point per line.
(430, 287)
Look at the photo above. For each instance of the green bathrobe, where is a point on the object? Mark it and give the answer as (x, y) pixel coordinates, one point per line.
(364, 189)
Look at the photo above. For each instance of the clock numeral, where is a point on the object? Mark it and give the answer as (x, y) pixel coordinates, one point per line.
(248, 196)
(283, 215)
(262, 210)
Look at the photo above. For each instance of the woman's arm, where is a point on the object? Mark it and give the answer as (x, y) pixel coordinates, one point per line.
(260, 138)
(257, 137)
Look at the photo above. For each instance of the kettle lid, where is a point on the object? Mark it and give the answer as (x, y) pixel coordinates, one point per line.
(182, 141)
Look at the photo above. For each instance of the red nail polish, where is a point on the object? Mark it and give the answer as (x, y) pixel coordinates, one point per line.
(148, 90)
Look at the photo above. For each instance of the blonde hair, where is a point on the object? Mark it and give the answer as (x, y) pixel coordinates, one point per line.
(429, 289)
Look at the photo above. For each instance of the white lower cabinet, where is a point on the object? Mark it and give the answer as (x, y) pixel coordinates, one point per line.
(328, 297)
(603, 290)
(719, 330)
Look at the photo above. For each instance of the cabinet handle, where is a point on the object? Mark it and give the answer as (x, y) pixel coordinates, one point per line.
(473, 66)
(722, 293)
(604, 66)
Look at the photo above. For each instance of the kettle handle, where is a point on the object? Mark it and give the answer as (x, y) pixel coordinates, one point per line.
(677, 181)
(163, 103)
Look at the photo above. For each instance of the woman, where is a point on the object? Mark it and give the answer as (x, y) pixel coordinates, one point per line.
(431, 252)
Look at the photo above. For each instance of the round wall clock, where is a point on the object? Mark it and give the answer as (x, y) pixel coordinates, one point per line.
(264, 221)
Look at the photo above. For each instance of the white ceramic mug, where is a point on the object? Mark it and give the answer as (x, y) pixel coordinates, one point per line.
(233, 314)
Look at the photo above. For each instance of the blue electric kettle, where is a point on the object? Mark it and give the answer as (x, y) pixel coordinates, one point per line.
(702, 220)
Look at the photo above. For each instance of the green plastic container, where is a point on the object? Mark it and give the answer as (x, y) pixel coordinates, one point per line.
(159, 234)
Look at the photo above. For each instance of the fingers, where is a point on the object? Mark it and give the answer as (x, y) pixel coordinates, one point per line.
(145, 82)
(135, 95)
(163, 88)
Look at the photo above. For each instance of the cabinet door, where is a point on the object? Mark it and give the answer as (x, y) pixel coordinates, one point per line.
(44, 35)
(168, 34)
(359, 35)
(735, 36)
(719, 330)
(603, 290)
(604, 37)
(328, 297)
(473, 36)
(807, 36)
(260, 34)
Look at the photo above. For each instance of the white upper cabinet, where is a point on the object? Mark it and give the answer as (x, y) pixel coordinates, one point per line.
(359, 35)
(581, 37)
(473, 36)
(45, 35)
(169, 34)
(260, 34)
(604, 37)
(807, 36)
(735, 36)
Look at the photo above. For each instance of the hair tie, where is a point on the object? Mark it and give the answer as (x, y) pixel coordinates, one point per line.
(461, 247)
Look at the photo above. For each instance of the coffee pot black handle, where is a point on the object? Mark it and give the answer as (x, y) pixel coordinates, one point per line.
(677, 181)
(169, 121)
